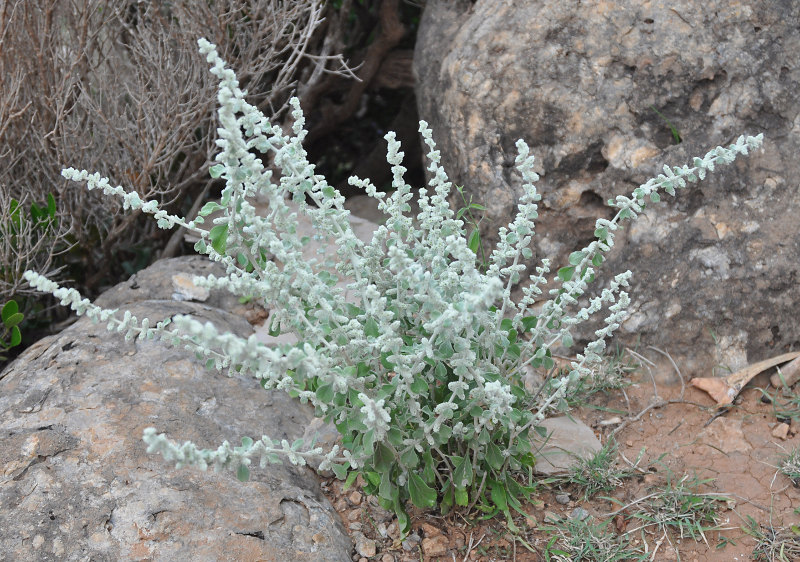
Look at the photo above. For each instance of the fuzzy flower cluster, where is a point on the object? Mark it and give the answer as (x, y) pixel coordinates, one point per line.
(422, 375)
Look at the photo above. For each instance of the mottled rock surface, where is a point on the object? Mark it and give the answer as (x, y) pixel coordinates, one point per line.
(593, 90)
(77, 483)
(568, 441)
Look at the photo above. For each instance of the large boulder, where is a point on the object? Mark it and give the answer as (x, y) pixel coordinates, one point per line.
(77, 483)
(602, 94)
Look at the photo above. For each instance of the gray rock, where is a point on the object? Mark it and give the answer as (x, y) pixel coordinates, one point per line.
(157, 283)
(77, 483)
(715, 272)
(411, 541)
(562, 499)
(568, 441)
(364, 546)
(552, 517)
(579, 513)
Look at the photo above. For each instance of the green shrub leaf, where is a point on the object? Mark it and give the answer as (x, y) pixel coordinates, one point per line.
(325, 393)
(461, 497)
(494, 456)
(422, 495)
(420, 386)
(16, 337)
(462, 474)
(448, 500)
(209, 208)
(410, 459)
(219, 238)
(565, 273)
(351, 478)
(371, 328)
(9, 309)
(576, 257)
(498, 494)
(474, 241)
(340, 471)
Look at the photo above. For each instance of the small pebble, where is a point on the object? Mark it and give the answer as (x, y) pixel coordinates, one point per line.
(355, 526)
(579, 514)
(436, 546)
(563, 499)
(411, 542)
(781, 431)
(551, 517)
(364, 546)
(355, 498)
(387, 558)
(355, 515)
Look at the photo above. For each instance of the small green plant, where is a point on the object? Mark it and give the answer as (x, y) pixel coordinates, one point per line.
(39, 218)
(474, 237)
(28, 234)
(773, 544)
(25, 234)
(422, 376)
(790, 466)
(600, 473)
(681, 508)
(785, 402)
(676, 136)
(10, 335)
(724, 542)
(609, 375)
(574, 539)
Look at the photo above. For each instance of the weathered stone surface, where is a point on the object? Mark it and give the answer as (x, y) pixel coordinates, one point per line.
(568, 442)
(77, 483)
(715, 272)
(158, 281)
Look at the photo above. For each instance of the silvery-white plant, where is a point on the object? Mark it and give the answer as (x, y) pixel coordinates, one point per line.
(422, 375)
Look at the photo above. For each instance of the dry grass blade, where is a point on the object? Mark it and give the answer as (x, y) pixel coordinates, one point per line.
(774, 544)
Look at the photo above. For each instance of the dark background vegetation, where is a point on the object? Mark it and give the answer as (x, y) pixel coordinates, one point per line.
(119, 88)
